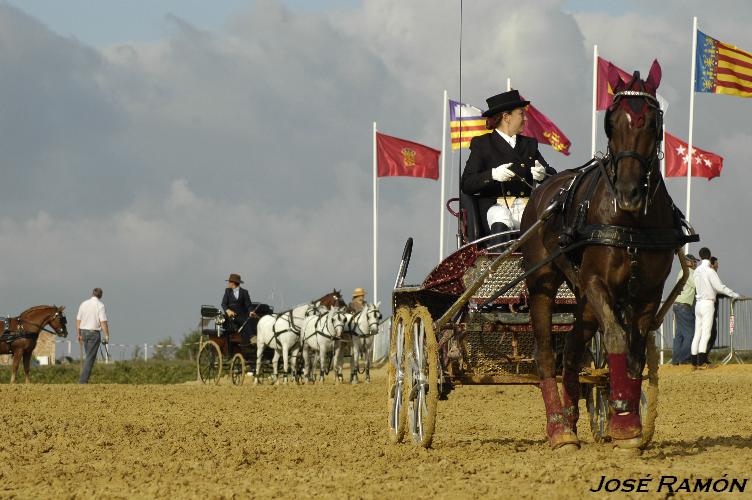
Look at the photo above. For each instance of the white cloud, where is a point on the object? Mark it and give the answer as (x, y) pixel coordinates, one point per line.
(155, 169)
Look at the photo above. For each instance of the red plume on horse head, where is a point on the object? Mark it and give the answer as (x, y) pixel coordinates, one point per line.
(618, 84)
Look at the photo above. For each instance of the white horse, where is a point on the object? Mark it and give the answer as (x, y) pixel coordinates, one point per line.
(360, 329)
(281, 332)
(320, 333)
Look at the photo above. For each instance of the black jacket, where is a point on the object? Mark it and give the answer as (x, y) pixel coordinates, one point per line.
(488, 151)
(241, 306)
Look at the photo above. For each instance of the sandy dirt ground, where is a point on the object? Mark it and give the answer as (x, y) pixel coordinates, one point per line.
(329, 440)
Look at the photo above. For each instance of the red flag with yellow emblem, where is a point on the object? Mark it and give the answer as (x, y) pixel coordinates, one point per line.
(605, 94)
(398, 157)
(539, 127)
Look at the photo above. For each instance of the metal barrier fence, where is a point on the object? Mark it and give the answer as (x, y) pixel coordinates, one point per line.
(741, 337)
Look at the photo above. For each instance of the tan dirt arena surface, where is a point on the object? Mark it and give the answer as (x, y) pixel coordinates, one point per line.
(192, 441)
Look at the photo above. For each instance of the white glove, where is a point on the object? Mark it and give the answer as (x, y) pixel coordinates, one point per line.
(502, 173)
(539, 171)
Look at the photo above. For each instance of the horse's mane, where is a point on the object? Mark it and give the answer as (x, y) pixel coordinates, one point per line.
(34, 308)
(333, 293)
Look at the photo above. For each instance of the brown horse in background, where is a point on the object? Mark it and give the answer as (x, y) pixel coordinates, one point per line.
(20, 334)
(627, 233)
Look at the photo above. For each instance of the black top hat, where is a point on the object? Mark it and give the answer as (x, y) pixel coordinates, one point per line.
(235, 278)
(504, 102)
(692, 257)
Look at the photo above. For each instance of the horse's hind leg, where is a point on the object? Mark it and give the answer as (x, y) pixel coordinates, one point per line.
(275, 366)
(575, 344)
(27, 366)
(542, 293)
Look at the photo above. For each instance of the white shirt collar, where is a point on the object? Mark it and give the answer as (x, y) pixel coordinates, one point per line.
(705, 262)
(511, 140)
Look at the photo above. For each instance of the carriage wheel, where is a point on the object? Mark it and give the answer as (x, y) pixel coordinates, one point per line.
(210, 363)
(396, 375)
(596, 396)
(649, 396)
(237, 369)
(422, 370)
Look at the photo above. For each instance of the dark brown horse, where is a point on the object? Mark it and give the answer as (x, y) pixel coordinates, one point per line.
(19, 335)
(626, 230)
(330, 300)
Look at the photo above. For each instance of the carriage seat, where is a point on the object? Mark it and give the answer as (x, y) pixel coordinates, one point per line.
(473, 219)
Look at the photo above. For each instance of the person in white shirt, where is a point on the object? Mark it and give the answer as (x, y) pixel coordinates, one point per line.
(707, 286)
(91, 323)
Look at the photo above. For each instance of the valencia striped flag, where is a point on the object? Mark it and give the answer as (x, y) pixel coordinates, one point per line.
(722, 68)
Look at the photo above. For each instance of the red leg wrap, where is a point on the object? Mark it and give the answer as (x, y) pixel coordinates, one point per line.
(624, 399)
(557, 428)
(571, 398)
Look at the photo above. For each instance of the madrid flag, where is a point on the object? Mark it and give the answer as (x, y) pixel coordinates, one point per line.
(398, 157)
(704, 163)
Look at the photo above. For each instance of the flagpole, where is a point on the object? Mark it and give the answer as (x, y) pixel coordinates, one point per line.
(443, 177)
(375, 221)
(595, 99)
(691, 123)
(509, 84)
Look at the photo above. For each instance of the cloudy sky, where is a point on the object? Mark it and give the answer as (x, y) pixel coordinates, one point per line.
(153, 147)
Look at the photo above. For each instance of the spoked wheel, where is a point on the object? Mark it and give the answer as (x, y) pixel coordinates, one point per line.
(596, 396)
(237, 369)
(422, 377)
(396, 375)
(210, 363)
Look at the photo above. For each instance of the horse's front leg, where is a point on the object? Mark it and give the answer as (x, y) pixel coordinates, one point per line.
(354, 359)
(369, 356)
(322, 360)
(16, 361)
(624, 398)
(286, 362)
(275, 365)
(259, 355)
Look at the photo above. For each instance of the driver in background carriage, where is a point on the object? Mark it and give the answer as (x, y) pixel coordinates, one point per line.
(358, 301)
(236, 304)
(504, 166)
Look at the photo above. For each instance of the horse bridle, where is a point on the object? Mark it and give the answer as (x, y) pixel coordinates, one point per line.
(647, 162)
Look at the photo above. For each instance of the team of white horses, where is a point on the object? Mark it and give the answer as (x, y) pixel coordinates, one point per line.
(315, 330)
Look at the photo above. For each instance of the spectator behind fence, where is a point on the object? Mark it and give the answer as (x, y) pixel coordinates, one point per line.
(684, 315)
(707, 285)
(91, 320)
(714, 331)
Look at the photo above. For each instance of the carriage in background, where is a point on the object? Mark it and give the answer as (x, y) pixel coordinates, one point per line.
(222, 349)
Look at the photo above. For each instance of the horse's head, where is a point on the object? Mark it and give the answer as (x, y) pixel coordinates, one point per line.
(373, 316)
(38, 318)
(333, 299)
(634, 128)
(59, 322)
(337, 319)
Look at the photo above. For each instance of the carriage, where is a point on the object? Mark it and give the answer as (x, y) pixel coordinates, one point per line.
(468, 323)
(222, 349)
